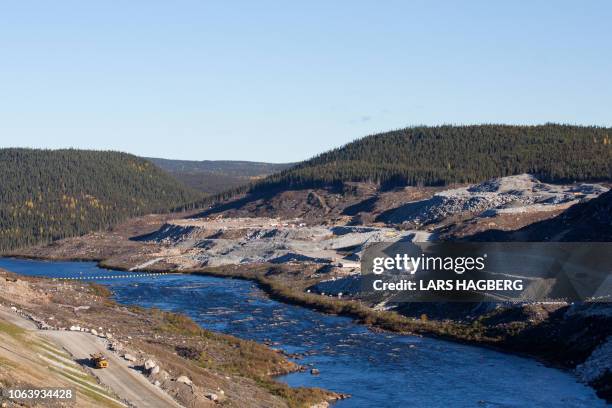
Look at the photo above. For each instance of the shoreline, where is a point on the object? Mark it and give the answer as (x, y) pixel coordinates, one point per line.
(177, 328)
(321, 305)
(361, 314)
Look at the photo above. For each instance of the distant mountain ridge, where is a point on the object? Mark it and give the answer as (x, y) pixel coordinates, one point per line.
(215, 176)
(51, 194)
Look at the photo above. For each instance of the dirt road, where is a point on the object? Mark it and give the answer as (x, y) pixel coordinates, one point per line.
(124, 381)
(12, 317)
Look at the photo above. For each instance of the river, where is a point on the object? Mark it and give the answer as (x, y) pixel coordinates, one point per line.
(377, 369)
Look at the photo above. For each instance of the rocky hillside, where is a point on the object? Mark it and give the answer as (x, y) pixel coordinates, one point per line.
(509, 202)
(508, 195)
(588, 221)
(52, 194)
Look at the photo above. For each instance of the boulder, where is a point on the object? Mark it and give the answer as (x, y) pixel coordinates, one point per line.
(149, 364)
(75, 328)
(315, 371)
(94, 332)
(184, 380)
(129, 357)
(155, 370)
(212, 396)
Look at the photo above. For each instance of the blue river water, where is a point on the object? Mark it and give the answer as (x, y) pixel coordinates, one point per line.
(377, 369)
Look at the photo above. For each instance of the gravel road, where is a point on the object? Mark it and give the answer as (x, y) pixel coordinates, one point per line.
(126, 382)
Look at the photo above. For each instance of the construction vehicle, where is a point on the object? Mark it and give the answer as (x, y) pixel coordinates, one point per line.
(98, 360)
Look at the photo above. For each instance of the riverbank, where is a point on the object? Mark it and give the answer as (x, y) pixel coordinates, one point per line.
(562, 336)
(398, 370)
(293, 292)
(195, 366)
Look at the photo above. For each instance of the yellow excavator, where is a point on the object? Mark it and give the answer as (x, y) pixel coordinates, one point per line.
(98, 360)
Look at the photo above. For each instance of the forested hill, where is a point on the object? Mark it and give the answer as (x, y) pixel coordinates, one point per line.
(215, 176)
(462, 154)
(51, 194)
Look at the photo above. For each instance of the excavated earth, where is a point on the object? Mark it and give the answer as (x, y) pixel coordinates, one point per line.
(325, 231)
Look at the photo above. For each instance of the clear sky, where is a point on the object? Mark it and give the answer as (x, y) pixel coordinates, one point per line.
(281, 81)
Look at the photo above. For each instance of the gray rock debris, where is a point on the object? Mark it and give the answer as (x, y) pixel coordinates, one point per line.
(129, 357)
(520, 193)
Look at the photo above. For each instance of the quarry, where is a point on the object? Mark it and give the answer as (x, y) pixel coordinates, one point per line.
(220, 240)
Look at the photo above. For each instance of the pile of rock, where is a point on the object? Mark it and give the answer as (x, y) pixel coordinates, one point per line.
(521, 191)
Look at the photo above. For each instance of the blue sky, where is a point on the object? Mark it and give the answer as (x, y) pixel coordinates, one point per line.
(282, 81)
